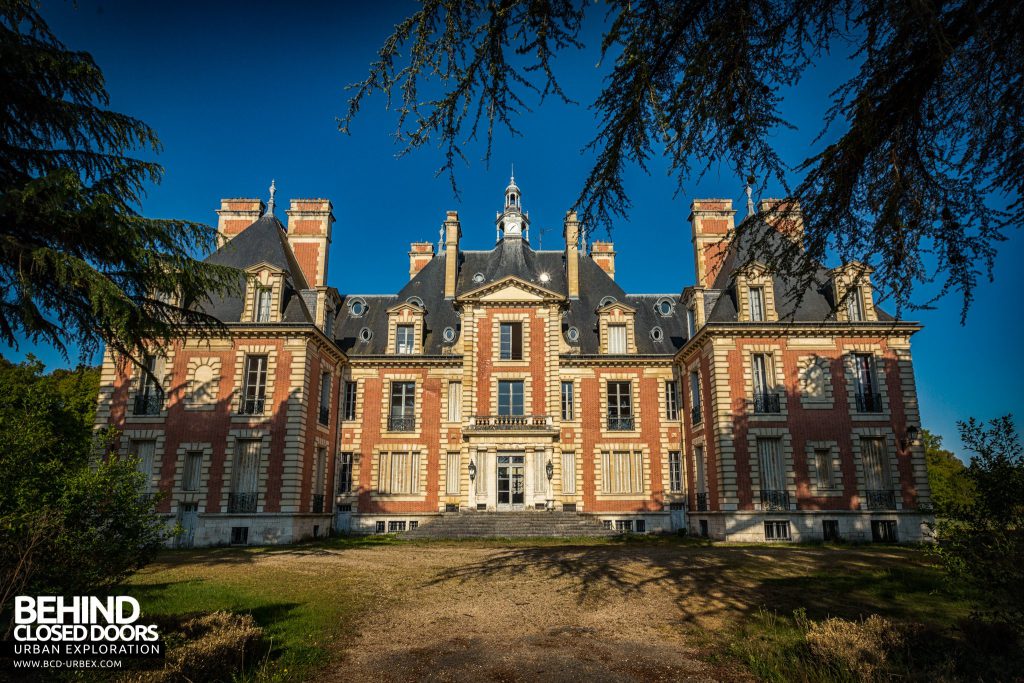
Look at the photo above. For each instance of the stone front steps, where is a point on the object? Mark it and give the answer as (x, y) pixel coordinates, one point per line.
(525, 524)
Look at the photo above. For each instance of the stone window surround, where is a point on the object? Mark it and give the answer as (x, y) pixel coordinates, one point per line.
(755, 275)
(164, 370)
(241, 353)
(891, 455)
(617, 314)
(405, 314)
(835, 460)
(634, 380)
(386, 383)
(645, 467)
(346, 377)
(445, 398)
(696, 485)
(235, 435)
(155, 435)
(859, 275)
(194, 363)
(577, 394)
(513, 375)
(825, 401)
(259, 276)
(774, 357)
(499, 317)
(423, 454)
(754, 459)
(874, 350)
(327, 366)
(198, 496)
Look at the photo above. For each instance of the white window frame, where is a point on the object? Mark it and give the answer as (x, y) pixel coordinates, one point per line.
(617, 339)
(755, 297)
(568, 401)
(675, 471)
(192, 471)
(405, 339)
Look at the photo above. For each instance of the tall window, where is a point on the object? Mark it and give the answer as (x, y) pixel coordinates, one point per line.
(671, 400)
(329, 322)
(263, 304)
(765, 398)
(245, 476)
(691, 322)
(675, 471)
(319, 473)
(193, 471)
(568, 472)
(773, 475)
(622, 472)
(455, 401)
(348, 405)
(757, 304)
(150, 397)
(398, 473)
(701, 467)
(854, 306)
(695, 412)
(823, 466)
(510, 397)
(325, 398)
(868, 398)
(451, 486)
(401, 417)
(568, 412)
(511, 341)
(617, 339)
(254, 391)
(144, 452)
(344, 476)
(404, 335)
(620, 406)
(876, 464)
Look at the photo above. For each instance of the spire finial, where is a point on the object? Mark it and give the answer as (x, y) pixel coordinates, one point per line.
(270, 204)
(750, 201)
(512, 178)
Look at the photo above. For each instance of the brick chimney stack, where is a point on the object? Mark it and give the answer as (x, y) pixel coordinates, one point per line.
(420, 254)
(234, 216)
(784, 215)
(452, 233)
(713, 221)
(309, 235)
(571, 232)
(603, 254)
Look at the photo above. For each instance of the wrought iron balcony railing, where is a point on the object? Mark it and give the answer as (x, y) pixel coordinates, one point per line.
(511, 422)
(702, 502)
(402, 423)
(868, 402)
(251, 406)
(148, 404)
(621, 424)
(695, 416)
(774, 500)
(318, 502)
(325, 415)
(766, 403)
(242, 502)
(879, 499)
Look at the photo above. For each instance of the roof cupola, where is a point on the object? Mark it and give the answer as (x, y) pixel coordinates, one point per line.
(513, 222)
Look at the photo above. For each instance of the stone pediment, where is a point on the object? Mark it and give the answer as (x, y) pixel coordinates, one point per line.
(511, 289)
(616, 306)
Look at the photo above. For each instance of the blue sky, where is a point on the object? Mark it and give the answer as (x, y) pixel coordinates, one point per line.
(240, 93)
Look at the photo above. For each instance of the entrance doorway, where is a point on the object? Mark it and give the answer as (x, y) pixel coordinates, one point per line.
(187, 515)
(511, 481)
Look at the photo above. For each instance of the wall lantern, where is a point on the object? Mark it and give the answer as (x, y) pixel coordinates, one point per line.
(549, 469)
(911, 437)
(472, 470)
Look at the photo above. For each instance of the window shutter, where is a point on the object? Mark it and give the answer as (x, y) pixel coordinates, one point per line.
(517, 341)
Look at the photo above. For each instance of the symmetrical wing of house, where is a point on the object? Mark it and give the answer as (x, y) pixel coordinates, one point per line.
(515, 379)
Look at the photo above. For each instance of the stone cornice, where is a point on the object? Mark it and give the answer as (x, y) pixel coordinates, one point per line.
(790, 329)
(406, 360)
(279, 331)
(601, 360)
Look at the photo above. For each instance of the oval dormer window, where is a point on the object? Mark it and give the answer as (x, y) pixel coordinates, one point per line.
(415, 301)
(573, 334)
(449, 334)
(365, 334)
(664, 307)
(657, 334)
(478, 278)
(607, 301)
(357, 307)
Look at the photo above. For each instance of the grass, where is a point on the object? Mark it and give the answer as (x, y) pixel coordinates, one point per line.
(308, 602)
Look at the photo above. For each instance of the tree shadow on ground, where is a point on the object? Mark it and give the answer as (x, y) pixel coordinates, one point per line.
(721, 582)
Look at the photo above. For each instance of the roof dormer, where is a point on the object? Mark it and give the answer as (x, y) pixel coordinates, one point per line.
(263, 293)
(616, 327)
(406, 328)
(853, 293)
(755, 294)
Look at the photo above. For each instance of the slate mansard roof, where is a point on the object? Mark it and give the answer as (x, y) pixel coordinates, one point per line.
(511, 257)
(367, 334)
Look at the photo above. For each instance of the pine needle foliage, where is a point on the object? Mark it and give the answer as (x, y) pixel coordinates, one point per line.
(78, 262)
(926, 136)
